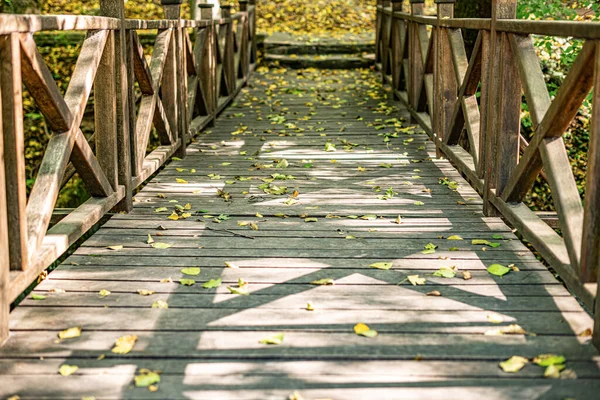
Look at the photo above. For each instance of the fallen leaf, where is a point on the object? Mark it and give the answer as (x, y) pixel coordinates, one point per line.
(445, 272)
(160, 304)
(498, 270)
(553, 371)
(179, 180)
(311, 219)
(415, 280)
(103, 293)
(495, 318)
(309, 306)
(276, 338)
(466, 275)
(35, 296)
(545, 360)
(480, 242)
(514, 364)
(381, 265)
(213, 283)
(324, 281)
(66, 370)
(433, 293)
(146, 378)
(115, 247)
(160, 209)
(454, 237)
(239, 290)
(159, 245)
(187, 282)
(70, 333)
(124, 344)
(150, 240)
(398, 220)
(364, 330)
(230, 265)
(419, 203)
(145, 292)
(194, 271)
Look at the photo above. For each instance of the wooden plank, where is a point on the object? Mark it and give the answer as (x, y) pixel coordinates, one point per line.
(14, 150)
(12, 23)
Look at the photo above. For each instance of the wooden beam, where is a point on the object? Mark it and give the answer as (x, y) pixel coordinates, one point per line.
(4, 234)
(14, 150)
(590, 251)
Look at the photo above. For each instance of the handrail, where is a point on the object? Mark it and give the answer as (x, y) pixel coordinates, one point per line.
(190, 78)
(425, 62)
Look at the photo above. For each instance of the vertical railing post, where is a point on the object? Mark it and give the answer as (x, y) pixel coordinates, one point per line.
(446, 89)
(174, 80)
(14, 149)
(590, 251)
(503, 108)
(378, 30)
(228, 62)
(397, 26)
(244, 49)
(252, 31)
(417, 7)
(209, 61)
(124, 122)
(386, 48)
(4, 261)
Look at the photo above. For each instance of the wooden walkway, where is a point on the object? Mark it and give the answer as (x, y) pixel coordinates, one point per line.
(206, 344)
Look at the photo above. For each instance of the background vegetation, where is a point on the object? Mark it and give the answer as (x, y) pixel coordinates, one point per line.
(315, 17)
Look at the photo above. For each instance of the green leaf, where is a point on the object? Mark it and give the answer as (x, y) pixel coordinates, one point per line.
(553, 371)
(329, 147)
(239, 290)
(494, 245)
(545, 360)
(368, 217)
(415, 280)
(160, 304)
(498, 270)
(513, 364)
(454, 237)
(324, 281)
(187, 282)
(480, 242)
(445, 273)
(381, 265)
(273, 339)
(38, 296)
(160, 209)
(213, 283)
(191, 271)
(497, 237)
(146, 379)
(311, 220)
(385, 165)
(419, 203)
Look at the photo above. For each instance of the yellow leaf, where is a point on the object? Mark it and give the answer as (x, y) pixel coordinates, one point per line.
(309, 306)
(381, 265)
(364, 330)
(191, 271)
(398, 220)
(150, 240)
(455, 237)
(513, 364)
(160, 304)
(124, 344)
(466, 275)
(66, 370)
(159, 245)
(104, 293)
(273, 339)
(415, 280)
(324, 281)
(239, 290)
(179, 180)
(115, 247)
(145, 292)
(70, 333)
(230, 265)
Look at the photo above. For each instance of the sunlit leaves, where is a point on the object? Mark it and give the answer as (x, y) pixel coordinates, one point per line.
(213, 283)
(274, 339)
(498, 269)
(160, 304)
(364, 330)
(124, 344)
(66, 370)
(187, 282)
(381, 265)
(514, 364)
(192, 271)
(146, 378)
(70, 333)
(324, 282)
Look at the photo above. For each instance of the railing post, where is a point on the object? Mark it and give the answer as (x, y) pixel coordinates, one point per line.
(124, 129)
(590, 251)
(14, 149)
(417, 7)
(174, 88)
(4, 261)
(228, 62)
(378, 30)
(503, 108)
(206, 14)
(244, 46)
(252, 31)
(397, 56)
(446, 87)
(386, 68)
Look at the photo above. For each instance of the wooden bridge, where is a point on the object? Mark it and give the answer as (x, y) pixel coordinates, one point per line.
(284, 210)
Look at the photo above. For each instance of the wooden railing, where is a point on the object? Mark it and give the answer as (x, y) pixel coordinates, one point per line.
(471, 109)
(196, 68)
